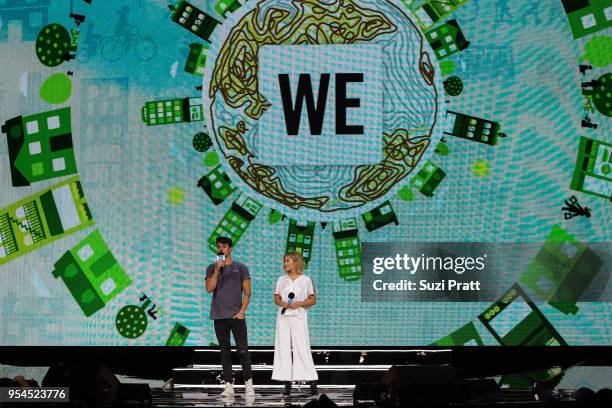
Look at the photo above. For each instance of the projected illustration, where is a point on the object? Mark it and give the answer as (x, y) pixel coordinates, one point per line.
(267, 157)
(136, 133)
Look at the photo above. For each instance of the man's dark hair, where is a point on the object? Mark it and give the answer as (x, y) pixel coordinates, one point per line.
(224, 240)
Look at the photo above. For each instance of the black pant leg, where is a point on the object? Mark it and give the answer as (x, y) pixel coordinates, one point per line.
(239, 330)
(222, 330)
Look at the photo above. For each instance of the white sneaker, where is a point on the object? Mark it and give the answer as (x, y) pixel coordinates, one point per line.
(249, 390)
(229, 390)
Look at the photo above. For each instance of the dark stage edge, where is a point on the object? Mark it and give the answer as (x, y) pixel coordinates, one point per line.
(266, 396)
(209, 396)
(195, 372)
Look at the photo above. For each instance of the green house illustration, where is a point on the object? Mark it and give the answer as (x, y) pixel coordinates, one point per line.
(588, 16)
(447, 39)
(217, 185)
(91, 273)
(40, 146)
(194, 19)
(562, 270)
(226, 6)
(196, 60)
(432, 11)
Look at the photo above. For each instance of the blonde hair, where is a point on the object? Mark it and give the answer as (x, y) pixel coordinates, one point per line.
(297, 259)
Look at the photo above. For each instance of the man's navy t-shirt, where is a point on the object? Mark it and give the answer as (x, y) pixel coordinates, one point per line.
(227, 296)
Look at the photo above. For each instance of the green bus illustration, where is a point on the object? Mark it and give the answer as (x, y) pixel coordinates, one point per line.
(236, 221)
(531, 328)
(428, 178)
(44, 217)
(379, 217)
(178, 335)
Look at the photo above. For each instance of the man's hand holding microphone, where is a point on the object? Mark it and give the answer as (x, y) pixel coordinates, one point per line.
(220, 262)
(211, 283)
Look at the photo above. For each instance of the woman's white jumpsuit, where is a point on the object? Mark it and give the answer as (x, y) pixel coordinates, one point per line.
(292, 356)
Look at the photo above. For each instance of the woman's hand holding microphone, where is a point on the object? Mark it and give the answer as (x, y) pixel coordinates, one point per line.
(297, 304)
(294, 304)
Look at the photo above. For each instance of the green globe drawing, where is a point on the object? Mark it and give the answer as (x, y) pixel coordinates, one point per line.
(411, 111)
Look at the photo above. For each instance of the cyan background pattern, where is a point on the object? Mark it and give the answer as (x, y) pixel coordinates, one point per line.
(521, 70)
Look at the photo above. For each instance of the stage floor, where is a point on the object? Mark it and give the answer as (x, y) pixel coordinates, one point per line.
(266, 396)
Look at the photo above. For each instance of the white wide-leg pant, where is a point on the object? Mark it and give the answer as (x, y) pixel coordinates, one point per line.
(292, 356)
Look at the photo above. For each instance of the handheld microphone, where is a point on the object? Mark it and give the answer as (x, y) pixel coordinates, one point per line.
(220, 257)
(289, 301)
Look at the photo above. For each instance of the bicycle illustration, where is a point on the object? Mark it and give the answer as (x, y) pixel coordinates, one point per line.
(115, 47)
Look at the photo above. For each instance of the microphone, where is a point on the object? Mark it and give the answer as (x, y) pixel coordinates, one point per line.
(220, 257)
(289, 301)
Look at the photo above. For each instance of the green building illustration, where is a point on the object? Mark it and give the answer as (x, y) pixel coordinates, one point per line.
(236, 221)
(447, 39)
(464, 336)
(428, 178)
(593, 171)
(194, 19)
(178, 335)
(44, 217)
(217, 185)
(226, 6)
(91, 273)
(530, 327)
(474, 128)
(561, 275)
(379, 217)
(171, 111)
(588, 16)
(40, 146)
(300, 238)
(196, 60)
(432, 11)
(348, 249)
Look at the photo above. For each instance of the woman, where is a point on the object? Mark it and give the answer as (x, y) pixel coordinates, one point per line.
(292, 357)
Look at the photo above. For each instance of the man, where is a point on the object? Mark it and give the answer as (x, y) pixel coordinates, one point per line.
(230, 284)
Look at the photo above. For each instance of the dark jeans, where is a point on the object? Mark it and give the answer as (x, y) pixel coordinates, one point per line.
(239, 330)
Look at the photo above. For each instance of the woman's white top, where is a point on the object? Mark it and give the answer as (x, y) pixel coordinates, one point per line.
(302, 287)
